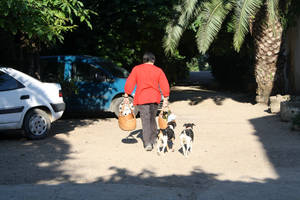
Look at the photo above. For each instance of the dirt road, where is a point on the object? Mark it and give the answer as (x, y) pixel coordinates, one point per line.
(240, 152)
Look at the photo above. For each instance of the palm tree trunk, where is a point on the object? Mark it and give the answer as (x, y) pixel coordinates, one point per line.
(267, 69)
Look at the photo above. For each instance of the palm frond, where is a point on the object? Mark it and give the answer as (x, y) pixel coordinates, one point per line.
(175, 29)
(244, 10)
(210, 20)
(272, 8)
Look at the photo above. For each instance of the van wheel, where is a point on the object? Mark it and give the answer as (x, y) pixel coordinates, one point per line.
(36, 124)
(116, 105)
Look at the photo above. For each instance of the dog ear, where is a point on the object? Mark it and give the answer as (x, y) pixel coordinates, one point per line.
(175, 124)
(184, 125)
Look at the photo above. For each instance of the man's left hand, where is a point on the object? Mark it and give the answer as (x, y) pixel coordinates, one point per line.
(165, 102)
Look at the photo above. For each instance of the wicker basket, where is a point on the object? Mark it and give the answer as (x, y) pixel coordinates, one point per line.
(127, 122)
(162, 123)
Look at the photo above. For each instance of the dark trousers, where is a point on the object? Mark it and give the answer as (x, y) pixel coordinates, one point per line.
(148, 114)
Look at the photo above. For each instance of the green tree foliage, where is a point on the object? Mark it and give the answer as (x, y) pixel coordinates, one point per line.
(123, 31)
(207, 17)
(30, 25)
(233, 71)
(41, 20)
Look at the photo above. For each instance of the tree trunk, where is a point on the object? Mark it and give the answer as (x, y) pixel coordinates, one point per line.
(267, 68)
(30, 56)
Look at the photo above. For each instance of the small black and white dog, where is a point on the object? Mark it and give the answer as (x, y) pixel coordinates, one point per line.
(165, 136)
(187, 138)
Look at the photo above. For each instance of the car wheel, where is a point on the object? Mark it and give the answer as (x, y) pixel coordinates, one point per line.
(36, 124)
(116, 105)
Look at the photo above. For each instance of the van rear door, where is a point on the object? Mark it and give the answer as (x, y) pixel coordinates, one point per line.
(92, 88)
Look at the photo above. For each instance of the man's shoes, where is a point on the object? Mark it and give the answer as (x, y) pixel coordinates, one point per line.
(149, 147)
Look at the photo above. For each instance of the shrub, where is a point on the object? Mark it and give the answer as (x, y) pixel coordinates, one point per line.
(231, 69)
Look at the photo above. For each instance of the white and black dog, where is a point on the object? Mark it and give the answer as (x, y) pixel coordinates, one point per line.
(187, 138)
(166, 135)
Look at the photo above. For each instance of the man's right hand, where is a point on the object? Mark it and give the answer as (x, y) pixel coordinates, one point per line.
(126, 100)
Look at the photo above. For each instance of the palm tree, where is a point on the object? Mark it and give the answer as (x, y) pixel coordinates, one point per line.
(259, 17)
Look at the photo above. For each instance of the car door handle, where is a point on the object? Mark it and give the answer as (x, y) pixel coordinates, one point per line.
(24, 97)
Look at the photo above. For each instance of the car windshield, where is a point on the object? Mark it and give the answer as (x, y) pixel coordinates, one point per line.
(113, 69)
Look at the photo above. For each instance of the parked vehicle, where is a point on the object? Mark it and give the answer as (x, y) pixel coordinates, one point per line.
(26, 103)
(90, 84)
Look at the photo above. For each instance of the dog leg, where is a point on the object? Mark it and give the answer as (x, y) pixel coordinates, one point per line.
(159, 141)
(173, 145)
(188, 147)
(167, 147)
(182, 146)
(165, 143)
(163, 148)
(158, 145)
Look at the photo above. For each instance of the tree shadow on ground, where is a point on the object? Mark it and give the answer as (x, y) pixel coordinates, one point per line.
(88, 115)
(32, 161)
(197, 179)
(65, 126)
(196, 94)
(202, 85)
(281, 144)
(61, 126)
(198, 185)
(131, 138)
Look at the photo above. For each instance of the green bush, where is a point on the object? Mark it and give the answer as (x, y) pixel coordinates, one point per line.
(231, 69)
(198, 64)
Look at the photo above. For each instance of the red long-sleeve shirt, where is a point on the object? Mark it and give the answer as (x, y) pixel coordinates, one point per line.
(149, 79)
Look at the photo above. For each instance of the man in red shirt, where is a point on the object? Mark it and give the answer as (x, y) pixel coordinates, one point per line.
(150, 80)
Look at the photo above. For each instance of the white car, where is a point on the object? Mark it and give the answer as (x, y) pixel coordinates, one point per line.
(26, 103)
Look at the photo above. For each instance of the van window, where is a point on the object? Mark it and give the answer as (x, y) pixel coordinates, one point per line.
(85, 72)
(113, 69)
(52, 71)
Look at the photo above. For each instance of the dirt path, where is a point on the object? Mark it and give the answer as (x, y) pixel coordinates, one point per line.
(240, 152)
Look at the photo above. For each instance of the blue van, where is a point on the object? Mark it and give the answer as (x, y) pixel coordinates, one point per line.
(98, 84)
